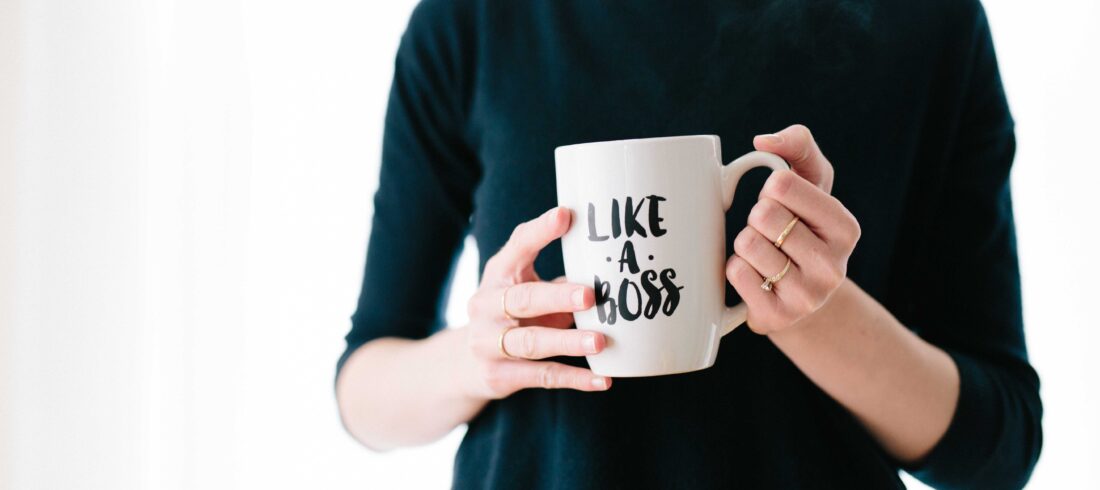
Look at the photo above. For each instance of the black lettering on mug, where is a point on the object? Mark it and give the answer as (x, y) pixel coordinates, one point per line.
(672, 289)
(632, 225)
(605, 305)
(657, 292)
(655, 216)
(592, 235)
(628, 258)
(652, 292)
(624, 302)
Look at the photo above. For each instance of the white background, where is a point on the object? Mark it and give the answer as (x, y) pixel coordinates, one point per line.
(184, 200)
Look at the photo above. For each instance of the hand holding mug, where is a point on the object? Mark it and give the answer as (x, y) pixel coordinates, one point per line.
(649, 234)
(516, 320)
(818, 235)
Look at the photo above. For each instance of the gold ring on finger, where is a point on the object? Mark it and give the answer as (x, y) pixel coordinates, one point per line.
(767, 284)
(504, 309)
(786, 231)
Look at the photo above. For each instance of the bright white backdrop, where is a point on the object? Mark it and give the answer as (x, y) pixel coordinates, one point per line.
(184, 201)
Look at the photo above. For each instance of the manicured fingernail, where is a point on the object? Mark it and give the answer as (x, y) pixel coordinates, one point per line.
(599, 382)
(578, 297)
(772, 139)
(590, 343)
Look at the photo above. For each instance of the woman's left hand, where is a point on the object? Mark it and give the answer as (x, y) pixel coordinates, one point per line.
(818, 246)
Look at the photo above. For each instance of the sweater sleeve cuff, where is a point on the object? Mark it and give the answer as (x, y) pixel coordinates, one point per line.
(962, 452)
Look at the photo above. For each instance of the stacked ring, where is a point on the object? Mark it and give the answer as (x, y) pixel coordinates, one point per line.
(504, 304)
(786, 231)
(767, 284)
(503, 332)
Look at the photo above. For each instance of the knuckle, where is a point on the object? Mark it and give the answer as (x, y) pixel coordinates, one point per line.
(521, 299)
(756, 245)
(529, 343)
(850, 231)
(568, 344)
(854, 230)
(805, 141)
(564, 297)
(834, 275)
(803, 132)
(742, 242)
(779, 184)
(762, 213)
(569, 379)
(547, 377)
(733, 269)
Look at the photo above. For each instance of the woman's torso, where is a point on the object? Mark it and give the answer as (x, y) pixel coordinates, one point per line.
(862, 76)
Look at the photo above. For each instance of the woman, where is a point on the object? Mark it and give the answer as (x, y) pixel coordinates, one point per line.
(904, 352)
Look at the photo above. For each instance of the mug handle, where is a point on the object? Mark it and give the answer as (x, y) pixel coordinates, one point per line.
(734, 316)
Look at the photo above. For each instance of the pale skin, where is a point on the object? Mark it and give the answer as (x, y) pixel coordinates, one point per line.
(396, 392)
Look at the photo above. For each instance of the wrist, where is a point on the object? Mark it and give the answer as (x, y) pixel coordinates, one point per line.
(463, 369)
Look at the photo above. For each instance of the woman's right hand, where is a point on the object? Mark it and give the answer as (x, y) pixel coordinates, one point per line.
(530, 318)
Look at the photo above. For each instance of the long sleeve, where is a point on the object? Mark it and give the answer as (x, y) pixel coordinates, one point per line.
(969, 300)
(428, 175)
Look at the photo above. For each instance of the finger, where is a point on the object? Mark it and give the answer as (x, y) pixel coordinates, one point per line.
(527, 240)
(769, 217)
(768, 261)
(824, 214)
(746, 281)
(796, 145)
(543, 342)
(793, 295)
(761, 254)
(532, 299)
(553, 320)
(517, 375)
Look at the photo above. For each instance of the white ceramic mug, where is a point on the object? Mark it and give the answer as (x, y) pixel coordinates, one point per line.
(649, 234)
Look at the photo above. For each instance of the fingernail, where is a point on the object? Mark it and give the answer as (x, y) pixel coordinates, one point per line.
(556, 213)
(599, 382)
(578, 297)
(590, 343)
(771, 139)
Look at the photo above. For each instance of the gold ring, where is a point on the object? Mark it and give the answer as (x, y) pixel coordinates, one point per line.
(786, 231)
(504, 307)
(500, 342)
(767, 284)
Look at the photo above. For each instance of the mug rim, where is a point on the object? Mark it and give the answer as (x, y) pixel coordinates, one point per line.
(657, 139)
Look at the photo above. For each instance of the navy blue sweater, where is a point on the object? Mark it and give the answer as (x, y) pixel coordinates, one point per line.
(904, 98)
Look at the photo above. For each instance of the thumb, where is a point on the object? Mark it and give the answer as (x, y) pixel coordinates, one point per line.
(796, 145)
